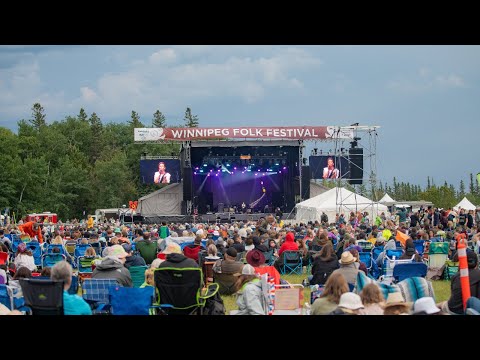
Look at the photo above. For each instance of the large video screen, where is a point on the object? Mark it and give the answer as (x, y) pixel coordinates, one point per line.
(329, 167)
(160, 171)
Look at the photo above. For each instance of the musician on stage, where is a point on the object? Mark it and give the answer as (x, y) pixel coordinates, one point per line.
(244, 207)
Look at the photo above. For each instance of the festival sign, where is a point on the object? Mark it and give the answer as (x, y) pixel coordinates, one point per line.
(281, 132)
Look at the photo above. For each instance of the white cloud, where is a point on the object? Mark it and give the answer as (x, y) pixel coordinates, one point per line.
(163, 56)
(88, 94)
(427, 81)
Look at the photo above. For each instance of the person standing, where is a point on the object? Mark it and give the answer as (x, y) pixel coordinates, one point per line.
(31, 229)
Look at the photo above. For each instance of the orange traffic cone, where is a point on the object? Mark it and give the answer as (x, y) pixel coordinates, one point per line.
(463, 268)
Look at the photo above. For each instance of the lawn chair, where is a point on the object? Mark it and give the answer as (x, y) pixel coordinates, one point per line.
(6, 296)
(85, 264)
(408, 270)
(292, 263)
(96, 293)
(51, 259)
(366, 258)
(376, 252)
(451, 268)
(366, 246)
(131, 301)
(179, 291)
(288, 299)
(36, 249)
(138, 275)
(437, 254)
(419, 246)
(43, 297)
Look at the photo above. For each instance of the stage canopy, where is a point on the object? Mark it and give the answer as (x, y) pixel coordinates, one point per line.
(331, 203)
(464, 204)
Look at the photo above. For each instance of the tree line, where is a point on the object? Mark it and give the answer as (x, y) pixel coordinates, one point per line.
(76, 165)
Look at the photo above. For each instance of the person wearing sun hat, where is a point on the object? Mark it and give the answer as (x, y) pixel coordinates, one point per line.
(112, 266)
(250, 300)
(350, 304)
(348, 268)
(425, 306)
(396, 305)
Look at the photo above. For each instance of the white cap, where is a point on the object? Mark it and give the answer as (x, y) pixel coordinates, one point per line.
(350, 301)
(425, 305)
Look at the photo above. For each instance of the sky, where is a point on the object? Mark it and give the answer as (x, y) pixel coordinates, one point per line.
(426, 99)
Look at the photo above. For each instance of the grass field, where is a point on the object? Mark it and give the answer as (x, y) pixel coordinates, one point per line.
(441, 289)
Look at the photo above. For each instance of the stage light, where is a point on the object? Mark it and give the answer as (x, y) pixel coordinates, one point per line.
(263, 174)
(261, 182)
(277, 164)
(284, 168)
(256, 174)
(235, 168)
(211, 170)
(228, 165)
(196, 168)
(205, 165)
(259, 170)
(201, 170)
(279, 171)
(218, 170)
(216, 174)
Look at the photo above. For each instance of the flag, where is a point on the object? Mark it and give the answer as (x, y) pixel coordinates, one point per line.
(401, 237)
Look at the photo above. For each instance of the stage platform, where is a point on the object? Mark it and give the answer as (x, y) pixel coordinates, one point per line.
(207, 218)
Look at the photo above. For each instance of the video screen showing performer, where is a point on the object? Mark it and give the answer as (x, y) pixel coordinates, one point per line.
(160, 171)
(329, 167)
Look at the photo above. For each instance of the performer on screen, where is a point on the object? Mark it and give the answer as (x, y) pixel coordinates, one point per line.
(330, 172)
(161, 176)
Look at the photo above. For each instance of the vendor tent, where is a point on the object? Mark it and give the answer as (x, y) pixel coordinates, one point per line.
(386, 199)
(165, 201)
(337, 200)
(464, 204)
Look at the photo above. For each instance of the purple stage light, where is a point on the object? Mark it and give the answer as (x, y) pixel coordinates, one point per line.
(263, 174)
(284, 168)
(235, 168)
(280, 172)
(216, 174)
(256, 174)
(194, 173)
(243, 172)
(196, 168)
(211, 170)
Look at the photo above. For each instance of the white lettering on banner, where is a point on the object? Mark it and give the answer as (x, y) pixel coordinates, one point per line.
(300, 131)
(177, 133)
(269, 132)
(225, 132)
(210, 132)
(217, 132)
(243, 132)
(235, 132)
(259, 132)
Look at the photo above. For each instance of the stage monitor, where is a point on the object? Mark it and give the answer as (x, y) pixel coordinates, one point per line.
(160, 171)
(329, 167)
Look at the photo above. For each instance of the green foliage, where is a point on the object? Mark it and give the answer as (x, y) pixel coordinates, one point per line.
(38, 116)
(189, 119)
(159, 120)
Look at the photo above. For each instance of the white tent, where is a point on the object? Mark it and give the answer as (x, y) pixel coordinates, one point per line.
(464, 204)
(337, 200)
(165, 201)
(386, 199)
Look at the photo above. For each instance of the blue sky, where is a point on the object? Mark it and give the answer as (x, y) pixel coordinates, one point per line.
(425, 98)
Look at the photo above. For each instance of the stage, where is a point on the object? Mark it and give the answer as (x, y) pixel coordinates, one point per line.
(217, 218)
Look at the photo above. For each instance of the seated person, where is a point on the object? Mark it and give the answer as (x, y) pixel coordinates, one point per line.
(224, 270)
(191, 251)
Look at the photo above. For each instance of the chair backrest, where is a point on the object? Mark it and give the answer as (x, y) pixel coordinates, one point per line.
(376, 251)
(366, 257)
(6, 296)
(43, 297)
(413, 269)
(3, 258)
(36, 249)
(397, 253)
(50, 248)
(51, 259)
(179, 287)
(419, 246)
(365, 245)
(138, 275)
(292, 262)
(98, 247)
(85, 264)
(96, 291)
(288, 299)
(80, 249)
(131, 301)
(268, 257)
(438, 248)
(70, 247)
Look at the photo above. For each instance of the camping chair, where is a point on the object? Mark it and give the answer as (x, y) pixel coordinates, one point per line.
(179, 291)
(413, 269)
(366, 246)
(366, 258)
(36, 249)
(419, 246)
(376, 252)
(242, 257)
(131, 301)
(70, 247)
(97, 246)
(269, 258)
(451, 268)
(51, 259)
(50, 248)
(288, 299)
(138, 275)
(437, 254)
(390, 263)
(292, 263)
(43, 297)
(6, 296)
(4, 258)
(85, 264)
(96, 293)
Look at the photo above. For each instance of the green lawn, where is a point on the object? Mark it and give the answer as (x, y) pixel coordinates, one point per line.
(441, 289)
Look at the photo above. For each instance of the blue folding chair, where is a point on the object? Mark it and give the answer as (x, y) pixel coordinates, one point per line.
(6, 296)
(366, 258)
(413, 269)
(419, 246)
(376, 252)
(138, 275)
(292, 263)
(36, 248)
(366, 246)
(51, 259)
(131, 301)
(397, 253)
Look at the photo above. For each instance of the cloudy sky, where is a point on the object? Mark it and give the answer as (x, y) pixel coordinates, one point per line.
(425, 98)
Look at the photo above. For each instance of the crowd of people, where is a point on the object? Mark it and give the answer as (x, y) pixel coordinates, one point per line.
(242, 251)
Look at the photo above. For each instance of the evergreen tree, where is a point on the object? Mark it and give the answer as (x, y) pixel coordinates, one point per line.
(189, 119)
(135, 120)
(82, 116)
(159, 120)
(96, 128)
(472, 185)
(461, 192)
(428, 182)
(38, 116)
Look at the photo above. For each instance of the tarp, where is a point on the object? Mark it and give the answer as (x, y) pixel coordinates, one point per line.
(166, 201)
(464, 204)
(337, 200)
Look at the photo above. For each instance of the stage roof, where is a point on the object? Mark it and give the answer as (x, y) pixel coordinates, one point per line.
(233, 143)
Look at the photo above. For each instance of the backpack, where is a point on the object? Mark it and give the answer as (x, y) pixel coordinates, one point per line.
(214, 305)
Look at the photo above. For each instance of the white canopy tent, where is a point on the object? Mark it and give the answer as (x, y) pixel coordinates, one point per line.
(386, 199)
(337, 200)
(464, 204)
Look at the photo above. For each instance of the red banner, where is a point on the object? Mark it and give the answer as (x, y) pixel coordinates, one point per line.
(282, 132)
